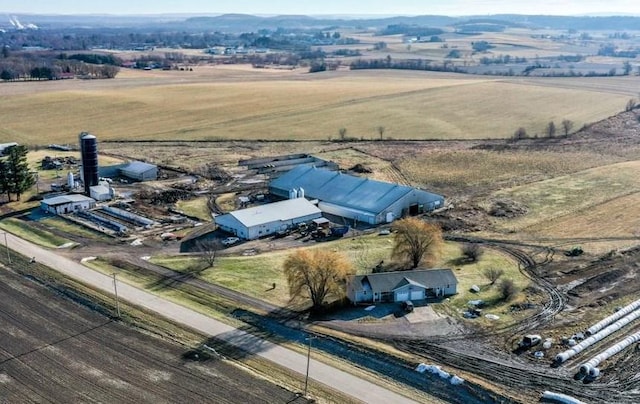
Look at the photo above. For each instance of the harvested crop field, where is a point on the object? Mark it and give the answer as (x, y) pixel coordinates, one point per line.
(220, 103)
(63, 352)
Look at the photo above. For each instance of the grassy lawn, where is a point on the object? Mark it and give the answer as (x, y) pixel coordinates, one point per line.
(254, 275)
(472, 274)
(196, 207)
(194, 298)
(71, 228)
(33, 234)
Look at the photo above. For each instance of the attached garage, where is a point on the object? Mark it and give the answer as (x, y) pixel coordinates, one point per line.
(402, 286)
(402, 295)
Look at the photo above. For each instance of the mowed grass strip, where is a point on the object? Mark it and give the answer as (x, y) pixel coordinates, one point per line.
(414, 105)
(32, 234)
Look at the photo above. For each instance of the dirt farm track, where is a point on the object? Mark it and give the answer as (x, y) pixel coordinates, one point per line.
(62, 352)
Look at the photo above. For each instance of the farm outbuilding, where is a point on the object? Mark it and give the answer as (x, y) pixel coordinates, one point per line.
(140, 171)
(263, 220)
(401, 286)
(360, 199)
(5, 146)
(67, 204)
(101, 193)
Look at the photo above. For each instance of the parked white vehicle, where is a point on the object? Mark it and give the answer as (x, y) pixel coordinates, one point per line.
(230, 240)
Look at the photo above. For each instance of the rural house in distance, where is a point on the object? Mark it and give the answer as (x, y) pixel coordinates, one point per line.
(401, 286)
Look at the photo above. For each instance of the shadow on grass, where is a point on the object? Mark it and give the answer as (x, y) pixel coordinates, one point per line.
(173, 279)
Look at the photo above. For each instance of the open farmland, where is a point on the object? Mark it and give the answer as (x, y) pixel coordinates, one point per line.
(64, 352)
(293, 105)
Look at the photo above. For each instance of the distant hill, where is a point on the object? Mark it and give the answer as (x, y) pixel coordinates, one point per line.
(248, 23)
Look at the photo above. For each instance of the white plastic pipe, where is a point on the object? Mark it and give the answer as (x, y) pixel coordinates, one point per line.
(624, 321)
(614, 317)
(591, 366)
(560, 398)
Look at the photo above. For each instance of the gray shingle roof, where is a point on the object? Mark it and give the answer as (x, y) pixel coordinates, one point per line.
(345, 190)
(389, 281)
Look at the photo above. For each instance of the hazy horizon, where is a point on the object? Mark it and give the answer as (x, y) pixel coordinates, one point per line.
(328, 7)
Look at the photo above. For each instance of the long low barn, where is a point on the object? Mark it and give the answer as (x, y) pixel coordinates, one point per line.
(355, 198)
(401, 286)
(263, 220)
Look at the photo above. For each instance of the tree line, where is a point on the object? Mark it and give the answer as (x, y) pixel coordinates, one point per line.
(52, 66)
(15, 176)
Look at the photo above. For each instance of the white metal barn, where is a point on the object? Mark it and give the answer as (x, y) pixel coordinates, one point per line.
(101, 193)
(355, 198)
(402, 285)
(263, 220)
(67, 203)
(140, 171)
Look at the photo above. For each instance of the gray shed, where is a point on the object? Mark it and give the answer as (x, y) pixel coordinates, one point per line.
(140, 171)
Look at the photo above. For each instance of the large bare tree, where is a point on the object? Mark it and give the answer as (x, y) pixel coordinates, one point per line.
(208, 250)
(416, 239)
(317, 275)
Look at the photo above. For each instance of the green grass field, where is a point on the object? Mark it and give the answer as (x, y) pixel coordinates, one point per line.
(410, 105)
(33, 234)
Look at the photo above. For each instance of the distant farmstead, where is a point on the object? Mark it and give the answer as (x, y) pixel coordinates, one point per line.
(401, 286)
(264, 220)
(355, 198)
(59, 205)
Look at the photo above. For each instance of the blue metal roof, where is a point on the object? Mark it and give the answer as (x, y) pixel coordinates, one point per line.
(345, 190)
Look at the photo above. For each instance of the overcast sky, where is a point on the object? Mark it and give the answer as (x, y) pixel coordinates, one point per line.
(323, 7)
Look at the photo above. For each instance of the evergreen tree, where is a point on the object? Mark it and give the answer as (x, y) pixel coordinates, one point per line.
(20, 178)
(4, 179)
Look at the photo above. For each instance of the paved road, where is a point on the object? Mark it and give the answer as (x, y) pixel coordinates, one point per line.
(320, 372)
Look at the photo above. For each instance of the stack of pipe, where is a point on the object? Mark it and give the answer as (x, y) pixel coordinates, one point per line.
(591, 367)
(569, 353)
(616, 316)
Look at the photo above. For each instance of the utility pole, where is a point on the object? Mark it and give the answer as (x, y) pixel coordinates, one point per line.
(115, 288)
(6, 244)
(306, 379)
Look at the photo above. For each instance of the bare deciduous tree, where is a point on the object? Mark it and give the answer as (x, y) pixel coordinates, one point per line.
(492, 274)
(471, 251)
(343, 133)
(508, 289)
(551, 129)
(415, 239)
(567, 125)
(317, 275)
(208, 250)
(520, 133)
